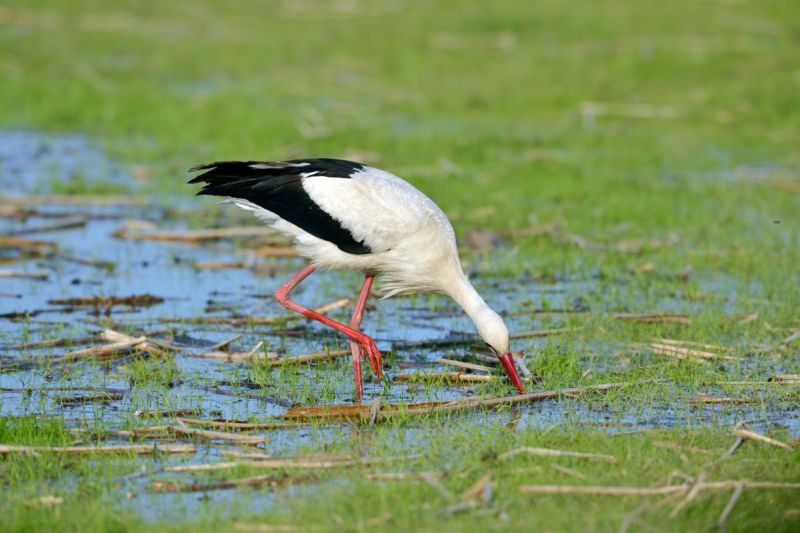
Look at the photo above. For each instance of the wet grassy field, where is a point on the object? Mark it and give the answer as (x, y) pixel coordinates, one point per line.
(625, 185)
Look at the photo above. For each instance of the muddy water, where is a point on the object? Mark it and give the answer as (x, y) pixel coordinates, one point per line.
(90, 261)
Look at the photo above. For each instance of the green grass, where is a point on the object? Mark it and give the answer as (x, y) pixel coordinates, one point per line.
(457, 458)
(83, 485)
(416, 505)
(478, 106)
(685, 204)
(481, 108)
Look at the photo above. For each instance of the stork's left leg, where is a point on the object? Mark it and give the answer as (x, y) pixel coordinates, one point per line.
(355, 323)
(364, 341)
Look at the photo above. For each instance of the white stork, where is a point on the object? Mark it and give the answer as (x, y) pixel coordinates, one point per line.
(345, 215)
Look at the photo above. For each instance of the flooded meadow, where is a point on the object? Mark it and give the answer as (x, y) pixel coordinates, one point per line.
(135, 321)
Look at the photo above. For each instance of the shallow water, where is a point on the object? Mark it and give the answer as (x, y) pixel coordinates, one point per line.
(168, 270)
(32, 162)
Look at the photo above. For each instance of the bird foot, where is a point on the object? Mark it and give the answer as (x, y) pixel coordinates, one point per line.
(373, 355)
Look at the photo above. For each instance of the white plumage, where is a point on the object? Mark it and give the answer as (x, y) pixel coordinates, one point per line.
(409, 240)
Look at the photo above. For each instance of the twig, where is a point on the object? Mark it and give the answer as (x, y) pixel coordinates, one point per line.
(601, 491)
(336, 304)
(737, 493)
(677, 319)
(194, 236)
(96, 263)
(217, 435)
(106, 349)
(650, 491)
(146, 345)
(630, 517)
(464, 364)
(703, 398)
(674, 446)
(590, 110)
(106, 302)
(398, 476)
(568, 471)
(141, 431)
(259, 456)
(10, 241)
(480, 490)
(364, 525)
(676, 342)
(752, 435)
(270, 528)
(791, 338)
(82, 400)
(20, 274)
(74, 199)
(756, 383)
(277, 463)
(434, 482)
(436, 407)
(254, 350)
(69, 222)
(75, 450)
(164, 413)
(691, 495)
(220, 346)
(542, 332)
(46, 500)
(273, 358)
(458, 507)
(792, 379)
(51, 343)
(548, 452)
(220, 265)
(240, 425)
(274, 251)
(683, 352)
(735, 446)
(256, 481)
(478, 494)
(686, 353)
(456, 377)
(374, 410)
(520, 361)
(41, 389)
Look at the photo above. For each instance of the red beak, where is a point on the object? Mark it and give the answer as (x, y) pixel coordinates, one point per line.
(508, 363)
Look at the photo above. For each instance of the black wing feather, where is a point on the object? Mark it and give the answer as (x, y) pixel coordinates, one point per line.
(277, 186)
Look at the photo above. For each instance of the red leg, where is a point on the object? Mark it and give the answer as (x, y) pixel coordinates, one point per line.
(355, 322)
(364, 341)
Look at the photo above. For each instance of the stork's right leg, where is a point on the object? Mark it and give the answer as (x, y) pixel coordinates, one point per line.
(355, 323)
(364, 341)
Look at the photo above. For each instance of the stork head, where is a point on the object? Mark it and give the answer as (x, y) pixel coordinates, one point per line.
(494, 332)
(490, 326)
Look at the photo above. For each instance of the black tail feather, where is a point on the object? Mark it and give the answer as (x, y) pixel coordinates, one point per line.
(277, 186)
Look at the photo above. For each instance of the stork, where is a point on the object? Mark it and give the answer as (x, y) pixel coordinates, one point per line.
(345, 215)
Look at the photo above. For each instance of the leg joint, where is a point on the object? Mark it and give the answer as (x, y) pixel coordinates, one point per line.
(281, 294)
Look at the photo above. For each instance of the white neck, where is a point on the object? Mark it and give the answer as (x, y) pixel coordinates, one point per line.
(489, 324)
(468, 298)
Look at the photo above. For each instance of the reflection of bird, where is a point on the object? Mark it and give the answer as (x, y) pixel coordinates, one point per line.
(344, 215)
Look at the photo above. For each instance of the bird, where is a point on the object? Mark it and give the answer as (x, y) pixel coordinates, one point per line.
(344, 215)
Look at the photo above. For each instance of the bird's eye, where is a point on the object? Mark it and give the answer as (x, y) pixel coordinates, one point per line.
(491, 348)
